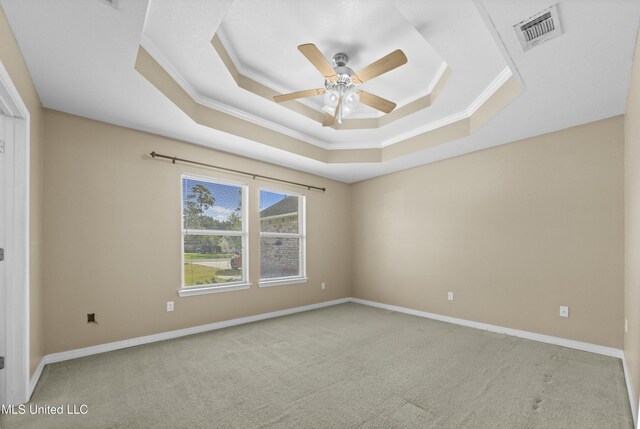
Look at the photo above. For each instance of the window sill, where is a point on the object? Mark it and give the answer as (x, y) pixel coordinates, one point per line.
(192, 291)
(283, 281)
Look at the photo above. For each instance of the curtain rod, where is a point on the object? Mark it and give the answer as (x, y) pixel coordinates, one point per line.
(175, 158)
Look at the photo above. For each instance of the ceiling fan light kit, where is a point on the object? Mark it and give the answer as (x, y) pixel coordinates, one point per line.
(341, 95)
(343, 89)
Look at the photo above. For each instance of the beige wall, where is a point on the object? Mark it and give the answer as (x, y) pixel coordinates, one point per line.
(514, 231)
(632, 225)
(112, 236)
(13, 62)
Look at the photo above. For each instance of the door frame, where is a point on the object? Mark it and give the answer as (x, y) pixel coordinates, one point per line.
(16, 177)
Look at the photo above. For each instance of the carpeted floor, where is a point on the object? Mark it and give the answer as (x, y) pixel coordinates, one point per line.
(346, 366)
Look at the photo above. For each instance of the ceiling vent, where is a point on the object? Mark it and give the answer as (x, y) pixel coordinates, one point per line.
(539, 28)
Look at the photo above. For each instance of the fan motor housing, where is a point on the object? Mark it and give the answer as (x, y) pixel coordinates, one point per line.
(340, 59)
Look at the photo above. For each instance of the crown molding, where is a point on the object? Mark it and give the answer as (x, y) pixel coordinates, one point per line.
(498, 93)
(499, 80)
(149, 45)
(255, 76)
(259, 85)
(496, 84)
(436, 78)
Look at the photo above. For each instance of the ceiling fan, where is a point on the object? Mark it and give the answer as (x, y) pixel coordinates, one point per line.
(341, 96)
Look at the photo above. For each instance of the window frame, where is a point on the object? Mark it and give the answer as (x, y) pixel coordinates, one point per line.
(301, 235)
(244, 233)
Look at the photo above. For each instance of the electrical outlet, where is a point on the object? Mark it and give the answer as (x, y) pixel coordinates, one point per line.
(450, 296)
(564, 311)
(91, 318)
(169, 305)
(323, 285)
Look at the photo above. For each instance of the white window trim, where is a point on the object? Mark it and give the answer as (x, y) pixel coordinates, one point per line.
(203, 290)
(185, 291)
(282, 281)
(302, 235)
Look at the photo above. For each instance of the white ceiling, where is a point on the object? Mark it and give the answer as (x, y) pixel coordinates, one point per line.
(81, 56)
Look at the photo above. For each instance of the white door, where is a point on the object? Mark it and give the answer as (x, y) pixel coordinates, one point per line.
(5, 150)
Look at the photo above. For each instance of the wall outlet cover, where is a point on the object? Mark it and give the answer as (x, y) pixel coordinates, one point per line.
(564, 311)
(169, 305)
(450, 296)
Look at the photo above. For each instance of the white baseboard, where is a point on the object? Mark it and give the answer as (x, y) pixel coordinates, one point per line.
(587, 347)
(35, 377)
(117, 345)
(632, 396)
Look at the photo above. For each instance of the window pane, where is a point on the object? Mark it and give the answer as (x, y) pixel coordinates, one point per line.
(213, 206)
(211, 259)
(279, 257)
(278, 212)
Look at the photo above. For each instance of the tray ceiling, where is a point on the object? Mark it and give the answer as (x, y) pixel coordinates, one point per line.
(89, 59)
(262, 38)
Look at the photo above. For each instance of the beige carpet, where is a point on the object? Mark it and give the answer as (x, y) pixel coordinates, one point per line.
(347, 366)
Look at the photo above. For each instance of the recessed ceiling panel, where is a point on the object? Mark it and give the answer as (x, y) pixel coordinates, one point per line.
(264, 35)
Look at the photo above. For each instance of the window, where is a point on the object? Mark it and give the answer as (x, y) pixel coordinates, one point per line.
(282, 238)
(214, 236)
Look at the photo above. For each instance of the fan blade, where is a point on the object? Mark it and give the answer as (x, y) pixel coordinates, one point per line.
(330, 120)
(318, 60)
(300, 94)
(376, 102)
(383, 65)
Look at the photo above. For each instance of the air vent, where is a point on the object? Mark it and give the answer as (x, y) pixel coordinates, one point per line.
(539, 28)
